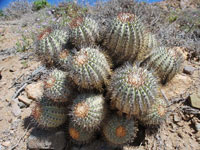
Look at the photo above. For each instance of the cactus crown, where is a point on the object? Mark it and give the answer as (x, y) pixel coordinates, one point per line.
(126, 17)
(76, 22)
(132, 89)
(45, 33)
(81, 110)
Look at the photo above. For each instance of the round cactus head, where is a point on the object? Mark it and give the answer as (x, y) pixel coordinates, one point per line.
(132, 89)
(89, 68)
(49, 114)
(50, 42)
(45, 33)
(125, 37)
(88, 111)
(79, 135)
(126, 17)
(156, 114)
(76, 22)
(119, 130)
(165, 62)
(57, 86)
(85, 30)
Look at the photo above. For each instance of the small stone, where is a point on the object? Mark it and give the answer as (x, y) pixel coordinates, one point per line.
(6, 143)
(24, 100)
(195, 100)
(197, 126)
(16, 109)
(21, 105)
(188, 70)
(176, 118)
(34, 91)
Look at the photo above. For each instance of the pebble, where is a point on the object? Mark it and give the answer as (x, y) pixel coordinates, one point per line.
(6, 143)
(16, 109)
(34, 91)
(188, 70)
(197, 126)
(176, 118)
(195, 100)
(24, 100)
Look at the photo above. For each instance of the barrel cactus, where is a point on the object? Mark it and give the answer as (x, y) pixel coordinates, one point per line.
(125, 37)
(165, 62)
(57, 86)
(119, 130)
(156, 114)
(88, 111)
(79, 135)
(50, 42)
(132, 89)
(84, 30)
(49, 114)
(89, 68)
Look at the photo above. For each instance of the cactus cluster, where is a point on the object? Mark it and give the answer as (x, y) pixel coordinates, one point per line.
(108, 84)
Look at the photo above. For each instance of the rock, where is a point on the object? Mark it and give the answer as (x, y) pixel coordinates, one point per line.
(177, 86)
(188, 70)
(176, 118)
(41, 139)
(6, 144)
(34, 91)
(21, 105)
(24, 100)
(197, 126)
(16, 109)
(195, 100)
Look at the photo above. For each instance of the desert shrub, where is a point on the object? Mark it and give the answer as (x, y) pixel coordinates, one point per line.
(17, 8)
(68, 10)
(1, 13)
(39, 4)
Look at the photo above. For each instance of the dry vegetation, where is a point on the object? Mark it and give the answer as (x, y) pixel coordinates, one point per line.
(172, 24)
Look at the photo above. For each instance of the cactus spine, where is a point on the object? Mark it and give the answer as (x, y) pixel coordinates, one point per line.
(49, 114)
(79, 135)
(156, 114)
(50, 42)
(84, 30)
(57, 86)
(89, 68)
(126, 37)
(132, 89)
(119, 130)
(88, 111)
(165, 62)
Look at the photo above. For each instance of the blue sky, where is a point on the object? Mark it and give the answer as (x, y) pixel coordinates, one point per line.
(4, 3)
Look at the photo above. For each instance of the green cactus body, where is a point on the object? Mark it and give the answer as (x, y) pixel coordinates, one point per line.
(84, 30)
(79, 135)
(119, 130)
(63, 59)
(151, 42)
(88, 111)
(132, 89)
(166, 63)
(50, 43)
(126, 37)
(89, 68)
(49, 114)
(57, 87)
(156, 114)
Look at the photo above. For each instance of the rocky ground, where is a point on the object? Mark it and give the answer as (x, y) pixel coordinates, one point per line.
(20, 86)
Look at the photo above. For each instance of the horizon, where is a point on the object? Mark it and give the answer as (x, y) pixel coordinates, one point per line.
(5, 3)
